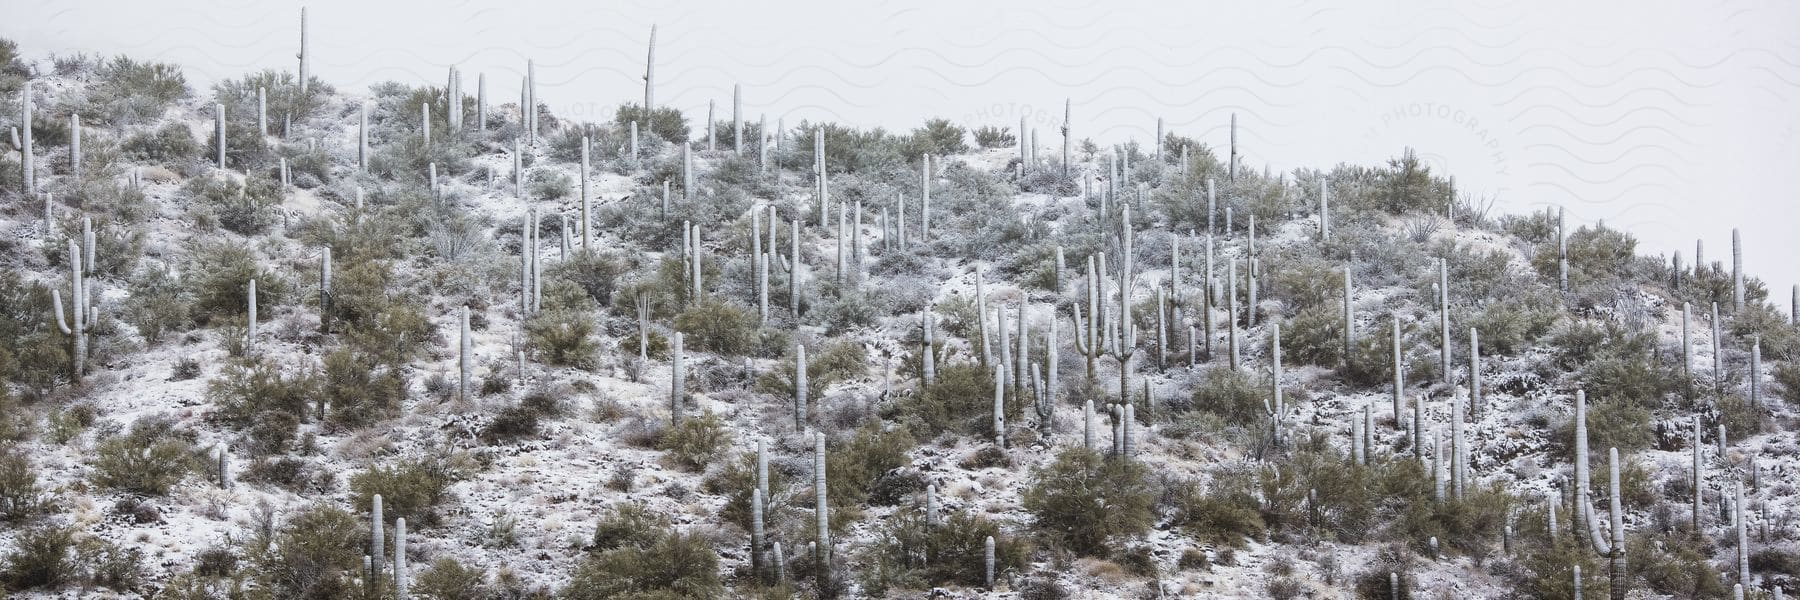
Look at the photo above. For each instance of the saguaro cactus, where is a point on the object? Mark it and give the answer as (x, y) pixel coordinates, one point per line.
(756, 531)
(1066, 139)
(1698, 475)
(464, 343)
(988, 559)
(1000, 405)
(75, 146)
(27, 160)
(1324, 209)
(1459, 450)
(822, 509)
(925, 198)
(1231, 167)
(1444, 315)
(931, 505)
(250, 322)
(400, 580)
(678, 380)
(1399, 377)
(1276, 406)
(377, 541)
(1718, 362)
(1741, 523)
(1087, 333)
(650, 76)
(1581, 457)
(799, 386)
(1475, 403)
(82, 314)
(219, 131)
(1349, 316)
(481, 102)
(1737, 271)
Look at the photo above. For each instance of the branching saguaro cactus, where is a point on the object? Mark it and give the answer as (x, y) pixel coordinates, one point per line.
(1087, 333)
(82, 312)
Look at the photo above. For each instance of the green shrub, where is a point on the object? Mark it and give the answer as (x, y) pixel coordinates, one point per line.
(825, 367)
(663, 122)
(1407, 186)
(247, 388)
(1223, 514)
(314, 554)
(917, 555)
(696, 441)
(938, 137)
(1469, 526)
(446, 579)
(20, 496)
(628, 525)
(670, 565)
(41, 558)
(149, 460)
(544, 184)
(410, 489)
(1231, 395)
(244, 208)
(100, 563)
(718, 327)
(171, 144)
(1598, 256)
(960, 400)
(1314, 336)
(1510, 326)
(854, 467)
(563, 332)
(360, 388)
(126, 92)
(1675, 565)
(220, 274)
(159, 303)
(1611, 424)
(1740, 418)
(1084, 501)
(597, 273)
(988, 137)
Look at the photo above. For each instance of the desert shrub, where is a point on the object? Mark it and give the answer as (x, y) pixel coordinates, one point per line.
(825, 367)
(1470, 525)
(1740, 418)
(596, 272)
(20, 496)
(696, 441)
(989, 137)
(148, 460)
(244, 208)
(1084, 501)
(854, 467)
(1630, 379)
(1611, 424)
(1314, 336)
(1509, 326)
(246, 389)
(1231, 395)
(917, 555)
(666, 123)
(314, 554)
(563, 332)
(1407, 186)
(960, 400)
(447, 579)
(544, 184)
(126, 91)
(360, 388)
(847, 149)
(410, 489)
(41, 557)
(169, 145)
(100, 563)
(1675, 565)
(659, 563)
(1598, 256)
(1635, 491)
(718, 327)
(628, 525)
(159, 303)
(1222, 514)
(521, 420)
(220, 274)
(849, 310)
(938, 137)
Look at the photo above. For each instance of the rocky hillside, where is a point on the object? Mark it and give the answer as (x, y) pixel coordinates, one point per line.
(276, 339)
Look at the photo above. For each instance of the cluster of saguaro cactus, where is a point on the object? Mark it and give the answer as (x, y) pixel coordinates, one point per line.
(82, 310)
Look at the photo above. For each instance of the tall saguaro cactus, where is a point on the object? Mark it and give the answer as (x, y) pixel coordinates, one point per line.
(82, 314)
(1697, 476)
(362, 137)
(377, 541)
(305, 54)
(400, 575)
(27, 158)
(678, 380)
(1065, 138)
(650, 76)
(1737, 271)
(799, 386)
(1276, 406)
(1000, 405)
(219, 131)
(1399, 378)
(822, 509)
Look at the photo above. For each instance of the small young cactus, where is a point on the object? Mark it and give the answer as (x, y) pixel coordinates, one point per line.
(1444, 316)
(756, 531)
(931, 505)
(250, 322)
(988, 560)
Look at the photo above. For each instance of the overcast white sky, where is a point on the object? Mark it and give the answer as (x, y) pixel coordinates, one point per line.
(1675, 120)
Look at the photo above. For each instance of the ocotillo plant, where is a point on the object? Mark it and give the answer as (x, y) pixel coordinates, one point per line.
(678, 379)
(82, 313)
(799, 386)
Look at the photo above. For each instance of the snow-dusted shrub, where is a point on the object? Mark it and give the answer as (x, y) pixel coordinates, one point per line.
(696, 441)
(1469, 526)
(719, 327)
(125, 91)
(960, 401)
(447, 579)
(665, 123)
(827, 366)
(360, 388)
(988, 137)
(1084, 502)
(659, 563)
(40, 558)
(20, 496)
(149, 460)
(1230, 394)
(546, 184)
(245, 208)
(853, 466)
(1223, 513)
(937, 137)
(1510, 326)
(563, 332)
(410, 489)
(246, 390)
(314, 554)
(914, 555)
